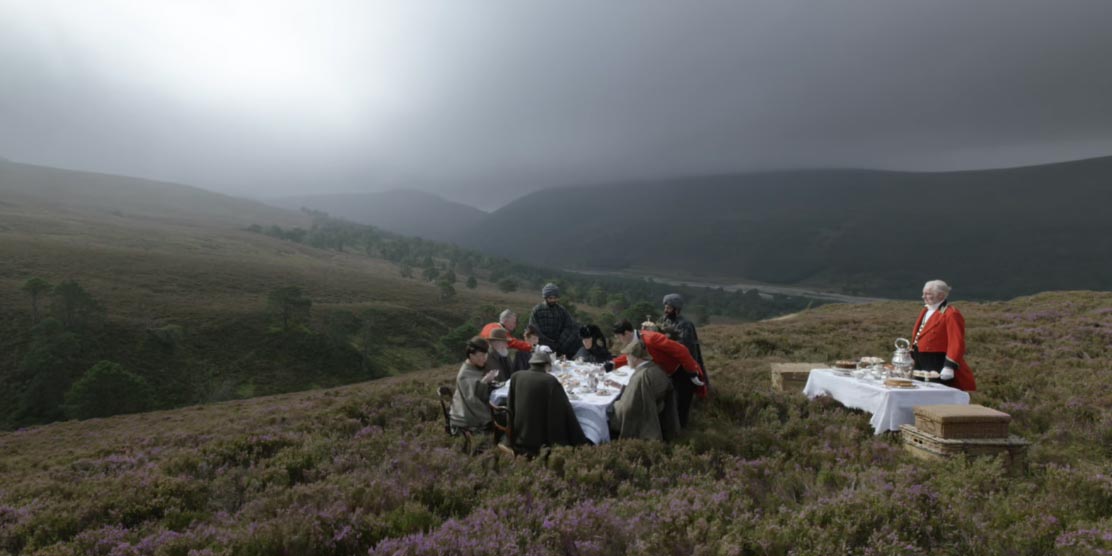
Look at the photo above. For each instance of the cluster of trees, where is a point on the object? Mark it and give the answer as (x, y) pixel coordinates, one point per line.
(443, 264)
(74, 363)
(64, 322)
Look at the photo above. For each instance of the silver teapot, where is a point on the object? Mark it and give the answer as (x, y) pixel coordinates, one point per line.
(901, 359)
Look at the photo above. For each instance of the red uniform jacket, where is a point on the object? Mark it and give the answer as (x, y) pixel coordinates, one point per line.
(669, 355)
(945, 332)
(519, 345)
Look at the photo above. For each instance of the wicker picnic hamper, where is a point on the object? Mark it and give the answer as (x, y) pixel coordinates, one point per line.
(791, 377)
(962, 421)
(927, 446)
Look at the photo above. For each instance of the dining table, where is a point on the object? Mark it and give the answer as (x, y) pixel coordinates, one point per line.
(890, 406)
(590, 389)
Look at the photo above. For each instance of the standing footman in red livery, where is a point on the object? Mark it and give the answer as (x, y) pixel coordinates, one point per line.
(939, 338)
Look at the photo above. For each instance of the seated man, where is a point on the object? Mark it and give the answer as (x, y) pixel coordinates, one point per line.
(522, 356)
(470, 409)
(499, 359)
(539, 409)
(647, 406)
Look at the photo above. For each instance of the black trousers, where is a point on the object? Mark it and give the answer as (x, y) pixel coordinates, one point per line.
(931, 361)
(685, 391)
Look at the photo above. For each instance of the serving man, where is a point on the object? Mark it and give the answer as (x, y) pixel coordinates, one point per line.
(508, 320)
(686, 335)
(558, 329)
(939, 338)
(670, 355)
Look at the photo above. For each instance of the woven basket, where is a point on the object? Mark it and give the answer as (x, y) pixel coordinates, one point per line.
(927, 446)
(962, 421)
(792, 377)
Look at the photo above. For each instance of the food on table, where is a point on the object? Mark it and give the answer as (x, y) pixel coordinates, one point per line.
(899, 383)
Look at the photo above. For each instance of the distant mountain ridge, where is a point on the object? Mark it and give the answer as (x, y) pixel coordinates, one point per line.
(992, 233)
(31, 185)
(404, 211)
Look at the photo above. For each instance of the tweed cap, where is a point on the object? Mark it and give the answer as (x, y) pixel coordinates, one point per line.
(637, 349)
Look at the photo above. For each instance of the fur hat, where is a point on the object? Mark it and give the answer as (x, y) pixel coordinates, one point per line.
(637, 349)
(550, 290)
(675, 300)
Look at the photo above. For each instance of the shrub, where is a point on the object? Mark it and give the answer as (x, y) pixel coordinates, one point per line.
(107, 389)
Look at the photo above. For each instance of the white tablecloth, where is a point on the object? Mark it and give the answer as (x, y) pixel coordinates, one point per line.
(891, 407)
(590, 408)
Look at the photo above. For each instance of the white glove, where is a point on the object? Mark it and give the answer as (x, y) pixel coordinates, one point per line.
(489, 377)
(946, 374)
(695, 380)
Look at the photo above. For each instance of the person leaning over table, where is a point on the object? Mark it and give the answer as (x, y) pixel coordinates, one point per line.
(540, 410)
(670, 355)
(647, 407)
(470, 404)
(508, 320)
(939, 338)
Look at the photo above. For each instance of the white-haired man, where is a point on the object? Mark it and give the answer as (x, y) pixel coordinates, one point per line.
(939, 338)
(508, 320)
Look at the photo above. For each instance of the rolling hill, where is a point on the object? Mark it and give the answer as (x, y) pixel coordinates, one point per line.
(180, 290)
(403, 211)
(992, 234)
(368, 468)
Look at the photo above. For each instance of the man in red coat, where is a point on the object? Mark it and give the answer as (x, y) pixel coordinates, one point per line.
(939, 338)
(669, 355)
(508, 320)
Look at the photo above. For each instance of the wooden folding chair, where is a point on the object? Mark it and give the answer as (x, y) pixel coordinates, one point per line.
(500, 418)
(444, 394)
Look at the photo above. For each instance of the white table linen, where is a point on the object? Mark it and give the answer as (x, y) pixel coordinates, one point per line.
(891, 407)
(589, 407)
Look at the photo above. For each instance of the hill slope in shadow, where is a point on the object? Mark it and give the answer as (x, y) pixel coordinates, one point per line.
(992, 234)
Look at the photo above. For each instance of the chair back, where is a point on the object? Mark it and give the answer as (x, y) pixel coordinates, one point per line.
(444, 394)
(500, 417)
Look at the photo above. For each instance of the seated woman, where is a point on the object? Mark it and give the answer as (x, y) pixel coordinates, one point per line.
(540, 410)
(647, 406)
(470, 404)
(595, 349)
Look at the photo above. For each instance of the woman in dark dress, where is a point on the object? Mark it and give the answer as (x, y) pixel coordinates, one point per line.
(595, 348)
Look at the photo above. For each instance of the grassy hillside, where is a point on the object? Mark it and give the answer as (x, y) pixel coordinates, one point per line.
(183, 292)
(369, 468)
(175, 287)
(992, 234)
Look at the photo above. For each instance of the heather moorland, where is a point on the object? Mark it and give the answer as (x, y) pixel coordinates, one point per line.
(368, 469)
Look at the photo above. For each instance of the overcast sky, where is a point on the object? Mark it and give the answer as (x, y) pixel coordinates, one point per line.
(482, 101)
